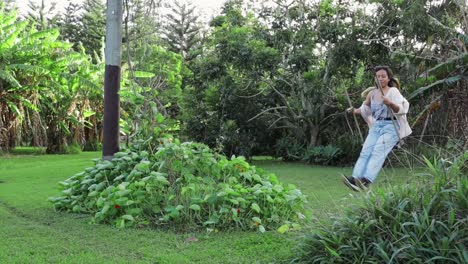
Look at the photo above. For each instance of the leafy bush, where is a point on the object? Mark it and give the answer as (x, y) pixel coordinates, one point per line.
(73, 148)
(184, 184)
(289, 149)
(350, 146)
(419, 223)
(321, 154)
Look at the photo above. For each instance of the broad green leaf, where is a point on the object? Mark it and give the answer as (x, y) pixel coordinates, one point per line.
(76, 209)
(278, 188)
(256, 220)
(93, 193)
(269, 199)
(162, 179)
(105, 209)
(88, 113)
(257, 177)
(195, 207)
(128, 217)
(261, 228)
(255, 207)
(283, 229)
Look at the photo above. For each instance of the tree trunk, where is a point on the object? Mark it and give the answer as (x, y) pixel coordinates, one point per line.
(56, 142)
(314, 132)
(8, 127)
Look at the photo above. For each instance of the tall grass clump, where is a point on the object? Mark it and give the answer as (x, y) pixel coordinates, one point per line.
(164, 182)
(423, 222)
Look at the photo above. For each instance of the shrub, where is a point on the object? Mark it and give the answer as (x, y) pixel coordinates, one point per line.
(289, 149)
(350, 146)
(180, 184)
(73, 148)
(419, 223)
(321, 154)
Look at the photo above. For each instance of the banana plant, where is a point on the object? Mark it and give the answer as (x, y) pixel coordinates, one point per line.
(16, 75)
(42, 77)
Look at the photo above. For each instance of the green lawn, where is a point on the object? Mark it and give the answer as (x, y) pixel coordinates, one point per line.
(31, 231)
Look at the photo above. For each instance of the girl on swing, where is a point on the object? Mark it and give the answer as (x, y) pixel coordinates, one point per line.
(384, 110)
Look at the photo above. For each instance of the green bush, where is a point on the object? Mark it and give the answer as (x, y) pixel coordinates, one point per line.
(425, 222)
(289, 149)
(321, 154)
(350, 146)
(73, 148)
(165, 182)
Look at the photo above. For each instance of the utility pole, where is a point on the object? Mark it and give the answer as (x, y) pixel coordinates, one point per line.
(113, 57)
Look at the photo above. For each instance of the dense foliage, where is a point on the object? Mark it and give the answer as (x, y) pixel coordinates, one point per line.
(47, 89)
(420, 222)
(259, 75)
(164, 182)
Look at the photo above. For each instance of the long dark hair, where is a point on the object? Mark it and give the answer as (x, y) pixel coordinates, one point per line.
(393, 81)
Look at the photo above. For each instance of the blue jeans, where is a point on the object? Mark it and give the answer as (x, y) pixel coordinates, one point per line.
(380, 141)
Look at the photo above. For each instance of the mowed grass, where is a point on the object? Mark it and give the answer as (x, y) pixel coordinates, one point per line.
(32, 232)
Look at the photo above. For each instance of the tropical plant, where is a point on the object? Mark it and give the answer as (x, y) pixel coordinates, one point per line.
(19, 48)
(66, 107)
(321, 154)
(162, 182)
(44, 84)
(423, 221)
(220, 96)
(151, 92)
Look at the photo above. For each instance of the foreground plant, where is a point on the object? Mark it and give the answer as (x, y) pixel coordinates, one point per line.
(421, 223)
(164, 182)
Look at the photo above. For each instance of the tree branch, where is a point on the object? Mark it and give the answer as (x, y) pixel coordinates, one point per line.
(265, 111)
